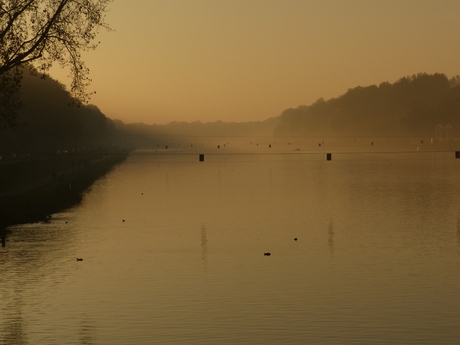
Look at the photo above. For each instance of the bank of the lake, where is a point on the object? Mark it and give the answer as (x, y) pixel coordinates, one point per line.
(56, 185)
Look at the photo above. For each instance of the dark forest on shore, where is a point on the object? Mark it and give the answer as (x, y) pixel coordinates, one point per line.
(49, 121)
(412, 106)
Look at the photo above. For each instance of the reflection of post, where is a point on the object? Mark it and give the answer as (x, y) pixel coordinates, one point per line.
(86, 331)
(331, 237)
(204, 244)
(439, 129)
(458, 230)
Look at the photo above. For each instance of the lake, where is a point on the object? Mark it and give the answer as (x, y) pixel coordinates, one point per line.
(365, 249)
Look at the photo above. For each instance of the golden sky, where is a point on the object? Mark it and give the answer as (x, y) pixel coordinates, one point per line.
(248, 60)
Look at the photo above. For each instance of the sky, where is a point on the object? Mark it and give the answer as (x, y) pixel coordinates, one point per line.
(249, 60)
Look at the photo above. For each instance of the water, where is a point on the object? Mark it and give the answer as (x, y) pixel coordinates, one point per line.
(173, 253)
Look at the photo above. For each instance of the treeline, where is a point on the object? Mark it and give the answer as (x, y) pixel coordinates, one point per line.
(140, 134)
(51, 121)
(413, 105)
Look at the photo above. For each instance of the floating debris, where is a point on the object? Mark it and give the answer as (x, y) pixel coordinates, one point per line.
(267, 254)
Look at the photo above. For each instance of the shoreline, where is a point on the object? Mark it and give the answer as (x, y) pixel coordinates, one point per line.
(35, 202)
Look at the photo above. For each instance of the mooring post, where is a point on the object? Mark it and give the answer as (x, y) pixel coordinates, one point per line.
(328, 156)
(457, 154)
(201, 157)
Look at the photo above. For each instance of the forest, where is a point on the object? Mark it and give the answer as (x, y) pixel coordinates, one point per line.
(413, 105)
(416, 105)
(51, 122)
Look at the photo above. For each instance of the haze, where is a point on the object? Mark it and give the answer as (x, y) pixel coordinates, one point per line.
(248, 60)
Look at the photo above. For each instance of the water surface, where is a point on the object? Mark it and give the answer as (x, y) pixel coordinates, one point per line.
(173, 253)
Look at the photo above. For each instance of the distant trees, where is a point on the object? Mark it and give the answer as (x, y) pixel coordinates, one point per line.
(43, 32)
(412, 105)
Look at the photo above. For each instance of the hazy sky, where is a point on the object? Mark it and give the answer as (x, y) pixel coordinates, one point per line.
(248, 60)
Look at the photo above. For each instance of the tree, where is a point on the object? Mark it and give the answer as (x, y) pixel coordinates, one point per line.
(40, 33)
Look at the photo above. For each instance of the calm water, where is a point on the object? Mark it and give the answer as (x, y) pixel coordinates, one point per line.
(173, 253)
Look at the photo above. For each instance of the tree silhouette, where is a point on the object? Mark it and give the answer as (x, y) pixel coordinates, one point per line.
(413, 105)
(42, 32)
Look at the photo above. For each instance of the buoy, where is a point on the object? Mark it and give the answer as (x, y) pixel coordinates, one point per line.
(295, 239)
(78, 259)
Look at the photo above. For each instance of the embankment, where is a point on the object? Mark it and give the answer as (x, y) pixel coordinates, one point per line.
(62, 189)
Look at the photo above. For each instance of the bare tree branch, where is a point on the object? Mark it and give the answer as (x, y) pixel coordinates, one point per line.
(44, 32)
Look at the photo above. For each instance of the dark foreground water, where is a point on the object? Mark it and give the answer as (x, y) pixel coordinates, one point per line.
(173, 253)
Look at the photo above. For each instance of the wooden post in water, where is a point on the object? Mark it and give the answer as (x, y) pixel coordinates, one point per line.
(328, 156)
(457, 154)
(201, 157)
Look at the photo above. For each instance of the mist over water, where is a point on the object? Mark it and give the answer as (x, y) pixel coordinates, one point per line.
(173, 249)
(348, 147)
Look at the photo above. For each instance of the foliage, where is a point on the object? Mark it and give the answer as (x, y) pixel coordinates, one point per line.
(42, 32)
(51, 125)
(10, 85)
(412, 105)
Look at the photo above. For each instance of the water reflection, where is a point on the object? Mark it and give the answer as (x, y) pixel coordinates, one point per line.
(458, 230)
(331, 238)
(13, 330)
(3, 236)
(204, 245)
(152, 278)
(86, 332)
(32, 262)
